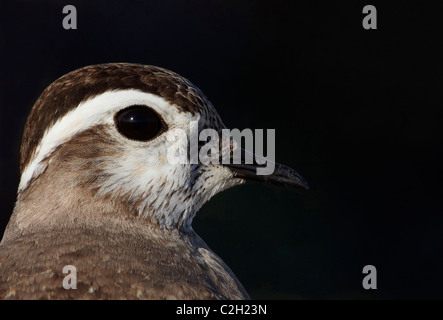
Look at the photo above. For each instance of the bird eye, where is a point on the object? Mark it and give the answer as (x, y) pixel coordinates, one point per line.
(139, 123)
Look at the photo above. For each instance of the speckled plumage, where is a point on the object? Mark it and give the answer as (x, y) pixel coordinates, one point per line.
(115, 259)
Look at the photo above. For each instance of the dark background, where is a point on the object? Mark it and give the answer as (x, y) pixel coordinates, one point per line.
(357, 112)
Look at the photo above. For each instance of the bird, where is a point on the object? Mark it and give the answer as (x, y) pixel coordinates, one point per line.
(98, 193)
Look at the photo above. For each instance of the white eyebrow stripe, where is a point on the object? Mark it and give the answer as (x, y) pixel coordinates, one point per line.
(95, 111)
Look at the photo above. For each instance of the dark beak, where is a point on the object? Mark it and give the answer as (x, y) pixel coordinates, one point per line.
(282, 175)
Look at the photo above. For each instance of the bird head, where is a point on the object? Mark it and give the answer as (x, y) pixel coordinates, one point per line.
(118, 133)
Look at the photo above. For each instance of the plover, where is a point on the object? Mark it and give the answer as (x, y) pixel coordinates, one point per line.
(97, 192)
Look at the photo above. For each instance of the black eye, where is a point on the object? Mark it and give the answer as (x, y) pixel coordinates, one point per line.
(139, 123)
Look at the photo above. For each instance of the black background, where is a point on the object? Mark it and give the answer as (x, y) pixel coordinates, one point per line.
(357, 112)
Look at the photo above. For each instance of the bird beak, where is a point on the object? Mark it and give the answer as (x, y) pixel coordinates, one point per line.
(281, 174)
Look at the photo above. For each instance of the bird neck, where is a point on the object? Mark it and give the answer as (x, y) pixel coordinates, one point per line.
(57, 202)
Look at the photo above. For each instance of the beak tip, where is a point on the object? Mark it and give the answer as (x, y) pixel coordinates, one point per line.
(304, 183)
(306, 186)
(300, 183)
